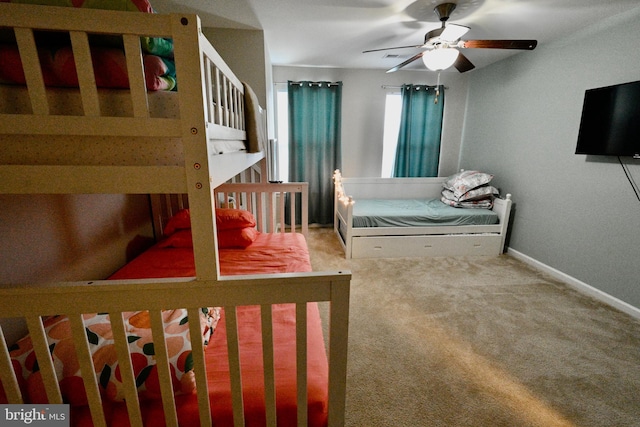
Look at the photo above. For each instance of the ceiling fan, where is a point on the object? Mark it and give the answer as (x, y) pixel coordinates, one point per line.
(440, 48)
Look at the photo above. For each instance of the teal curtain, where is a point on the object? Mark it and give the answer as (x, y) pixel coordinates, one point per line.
(314, 142)
(418, 150)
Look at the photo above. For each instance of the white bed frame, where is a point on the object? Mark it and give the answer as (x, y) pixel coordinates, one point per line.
(390, 242)
(210, 100)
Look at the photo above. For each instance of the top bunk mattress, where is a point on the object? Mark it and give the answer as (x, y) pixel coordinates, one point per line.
(416, 213)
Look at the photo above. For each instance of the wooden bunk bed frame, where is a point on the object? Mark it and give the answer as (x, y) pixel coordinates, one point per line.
(390, 242)
(210, 100)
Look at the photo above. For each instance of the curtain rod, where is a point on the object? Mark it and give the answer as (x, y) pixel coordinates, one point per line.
(383, 86)
(400, 87)
(311, 83)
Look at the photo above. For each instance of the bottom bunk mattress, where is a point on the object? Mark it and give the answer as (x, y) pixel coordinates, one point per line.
(416, 213)
(269, 253)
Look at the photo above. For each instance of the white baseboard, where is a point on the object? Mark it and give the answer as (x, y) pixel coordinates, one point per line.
(578, 285)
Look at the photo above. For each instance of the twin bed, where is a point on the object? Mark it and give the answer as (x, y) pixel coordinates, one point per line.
(405, 217)
(122, 351)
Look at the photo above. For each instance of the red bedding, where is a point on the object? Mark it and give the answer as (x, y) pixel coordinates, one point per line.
(109, 65)
(269, 253)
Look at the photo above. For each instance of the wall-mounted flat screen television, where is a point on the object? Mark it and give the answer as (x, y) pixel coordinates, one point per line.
(610, 123)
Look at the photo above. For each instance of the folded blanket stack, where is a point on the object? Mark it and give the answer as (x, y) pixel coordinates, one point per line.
(469, 189)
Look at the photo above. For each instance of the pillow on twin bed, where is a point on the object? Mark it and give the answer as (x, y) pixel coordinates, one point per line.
(227, 239)
(236, 237)
(179, 239)
(469, 204)
(227, 219)
(478, 193)
(465, 181)
(180, 221)
(469, 189)
(236, 229)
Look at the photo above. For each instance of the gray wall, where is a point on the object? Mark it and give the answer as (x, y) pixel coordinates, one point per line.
(59, 237)
(249, 64)
(363, 101)
(575, 213)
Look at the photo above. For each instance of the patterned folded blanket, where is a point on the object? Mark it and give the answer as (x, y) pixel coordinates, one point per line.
(105, 360)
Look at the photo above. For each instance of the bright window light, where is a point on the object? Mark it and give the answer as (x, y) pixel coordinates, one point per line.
(282, 131)
(392, 110)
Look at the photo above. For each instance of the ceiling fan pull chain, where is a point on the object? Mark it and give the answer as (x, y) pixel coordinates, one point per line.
(435, 101)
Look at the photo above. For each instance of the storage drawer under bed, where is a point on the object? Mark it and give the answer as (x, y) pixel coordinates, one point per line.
(418, 246)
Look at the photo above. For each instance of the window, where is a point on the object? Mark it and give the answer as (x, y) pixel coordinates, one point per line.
(419, 131)
(392, 110)
(282, 131)
(311, 146)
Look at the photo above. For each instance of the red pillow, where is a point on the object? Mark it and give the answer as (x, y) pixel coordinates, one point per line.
(180, 221)
(236, 238)
(227, 219)
(11, 70)
(179, 239)
(227, 239)
(130, 5)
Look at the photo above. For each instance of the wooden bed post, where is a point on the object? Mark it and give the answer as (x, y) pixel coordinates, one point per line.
(187, 44)
(338, 346)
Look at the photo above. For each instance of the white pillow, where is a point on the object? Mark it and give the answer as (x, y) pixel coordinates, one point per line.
(482, 192)
(465, 181)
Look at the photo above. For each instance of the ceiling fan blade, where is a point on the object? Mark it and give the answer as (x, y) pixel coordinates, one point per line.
(463, 64)
(390, 48)
(407, 62)
(498, 44)
(453, 32)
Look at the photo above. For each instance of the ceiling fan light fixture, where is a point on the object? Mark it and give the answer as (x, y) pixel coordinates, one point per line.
(440, 59)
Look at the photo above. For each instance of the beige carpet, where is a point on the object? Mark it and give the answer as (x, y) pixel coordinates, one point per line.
(480, 341)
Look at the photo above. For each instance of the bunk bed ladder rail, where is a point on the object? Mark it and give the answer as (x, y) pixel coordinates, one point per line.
(224, 100)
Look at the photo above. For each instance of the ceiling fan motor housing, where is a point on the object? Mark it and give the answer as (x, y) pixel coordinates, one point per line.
(444, 11)
(433, 34)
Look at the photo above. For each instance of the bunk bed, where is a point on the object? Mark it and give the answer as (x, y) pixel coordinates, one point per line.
(135, 140)
(468, 232)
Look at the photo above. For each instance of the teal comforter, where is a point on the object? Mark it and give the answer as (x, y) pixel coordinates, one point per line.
(416, 213)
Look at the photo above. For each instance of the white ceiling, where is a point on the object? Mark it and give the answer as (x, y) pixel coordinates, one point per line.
(333, 33)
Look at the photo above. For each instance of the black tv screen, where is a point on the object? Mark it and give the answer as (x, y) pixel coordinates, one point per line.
(610, 123)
